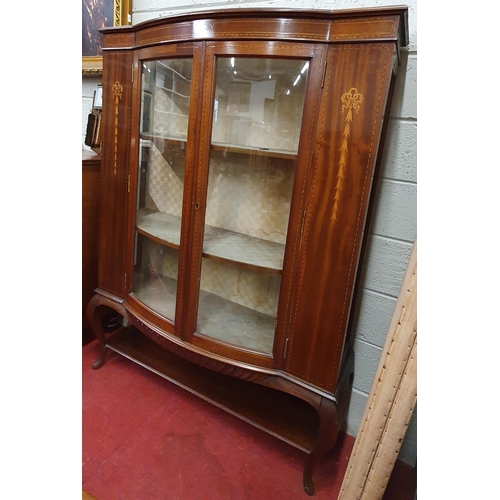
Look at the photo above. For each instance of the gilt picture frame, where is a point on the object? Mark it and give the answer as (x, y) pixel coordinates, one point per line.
(98, 14)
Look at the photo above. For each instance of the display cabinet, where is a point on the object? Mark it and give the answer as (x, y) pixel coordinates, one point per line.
(239, 152)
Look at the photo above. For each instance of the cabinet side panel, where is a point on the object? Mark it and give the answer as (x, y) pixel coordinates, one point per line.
(349, 128)
(116, 131)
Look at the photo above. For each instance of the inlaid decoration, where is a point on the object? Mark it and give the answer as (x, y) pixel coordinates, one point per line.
(350, 101)
(117, 92)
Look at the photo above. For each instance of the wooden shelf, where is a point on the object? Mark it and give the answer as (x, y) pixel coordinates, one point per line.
(272, 153)
(282, 415)
(156, 138)
(220, 244)
(218, 318)
(242, 249)
(234, 324)
(226, 148)
(161, 227)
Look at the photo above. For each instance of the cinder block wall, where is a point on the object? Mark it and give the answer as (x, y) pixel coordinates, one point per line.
(394, 222)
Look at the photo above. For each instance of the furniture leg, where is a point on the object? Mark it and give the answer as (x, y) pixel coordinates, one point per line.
(327, 435)
(96, 313)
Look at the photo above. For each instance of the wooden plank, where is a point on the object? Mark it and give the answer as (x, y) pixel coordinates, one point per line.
(391, 402)
(392, 438)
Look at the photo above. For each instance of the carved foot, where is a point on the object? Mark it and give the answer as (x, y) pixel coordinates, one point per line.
(101, 360)
(307, 483)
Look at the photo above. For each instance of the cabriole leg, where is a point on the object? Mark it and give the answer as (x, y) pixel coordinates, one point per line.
(327, 435)
(96, 313)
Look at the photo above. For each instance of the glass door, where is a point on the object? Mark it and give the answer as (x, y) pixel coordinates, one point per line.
(164, 112)
(257, 119)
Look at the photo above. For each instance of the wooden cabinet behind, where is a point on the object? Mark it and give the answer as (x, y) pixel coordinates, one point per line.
(239, 153)
(91, 206)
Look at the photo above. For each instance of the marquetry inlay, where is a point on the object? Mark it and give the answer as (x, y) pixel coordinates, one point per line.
(117, 92)
(350, 100)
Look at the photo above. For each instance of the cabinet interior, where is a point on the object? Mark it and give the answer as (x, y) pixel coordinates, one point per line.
(256, 123)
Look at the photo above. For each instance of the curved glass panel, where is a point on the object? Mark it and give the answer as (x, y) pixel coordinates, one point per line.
(255, 135)
(165, 97)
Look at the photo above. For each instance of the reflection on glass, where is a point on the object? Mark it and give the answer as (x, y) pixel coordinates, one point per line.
(256, 126)
(259, 102)
(165, 96)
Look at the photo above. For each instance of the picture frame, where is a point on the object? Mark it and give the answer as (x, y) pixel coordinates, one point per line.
(98, 14)
(97, 101)
(93, 134)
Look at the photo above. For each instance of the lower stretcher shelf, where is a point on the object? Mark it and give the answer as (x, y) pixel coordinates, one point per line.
(280, 414)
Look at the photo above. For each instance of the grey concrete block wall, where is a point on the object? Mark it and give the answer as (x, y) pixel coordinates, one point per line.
(394, 223)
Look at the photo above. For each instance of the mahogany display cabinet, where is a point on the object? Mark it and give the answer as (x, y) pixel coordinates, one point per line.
(239, 151)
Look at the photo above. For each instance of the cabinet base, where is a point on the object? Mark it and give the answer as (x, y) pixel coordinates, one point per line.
(285, 416)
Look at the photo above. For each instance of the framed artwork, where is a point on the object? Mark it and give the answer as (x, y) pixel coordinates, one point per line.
(98, 14)
(97, 103)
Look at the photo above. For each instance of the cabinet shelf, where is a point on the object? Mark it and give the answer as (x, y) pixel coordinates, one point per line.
(156, 138)
(226, 147)
(171, 113)
(272, 153)
(160, 227)
(220, 244)
(224, 320)
(234, 324)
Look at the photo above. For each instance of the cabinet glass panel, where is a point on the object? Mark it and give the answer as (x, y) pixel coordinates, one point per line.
(164, 114)
(257, 118)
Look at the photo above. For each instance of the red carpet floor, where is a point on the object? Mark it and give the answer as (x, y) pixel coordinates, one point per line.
(143, 438)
